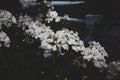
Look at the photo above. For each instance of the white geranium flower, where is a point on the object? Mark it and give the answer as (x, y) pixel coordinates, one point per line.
(24, 21)
(96, 53)
(72, 41)
(5, 39)
(65, 46)
(62, 39)
(52, 15)
(50, 40)
(78, 48)
(7, 44)
(57, 19)
(7, 18)
(100, 64)
(48, 20)
(66, 17)
(13, 19)
(81, 42)
(66, 37)
(62, 53)
(89, 57)
(39, 31)
(45, 45)
(75, 48)
(54, 48)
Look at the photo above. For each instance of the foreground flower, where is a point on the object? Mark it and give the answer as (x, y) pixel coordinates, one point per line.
(24, 21)
(95, 53)
(6, 18)
(4, 39)
(54, 41)
(66, 38)
(59, 42)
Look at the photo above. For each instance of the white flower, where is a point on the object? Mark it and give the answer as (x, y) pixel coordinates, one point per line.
(63, 39)
(100, 64)
(25, 21)
(7, 18)
(66, 17)
(54, 48)
(7, 44)
(96, 53)
(39, 31)
(45, 45)
(75, 48)
(50, 40)
(48, 46)
(79, 46)
(65, 46)
(66, 38)
(89, 57)
(57, 19)
(5, 39)
(62, 53)
(49, 20)
(52, 15)
(72, 41)
(13, 19)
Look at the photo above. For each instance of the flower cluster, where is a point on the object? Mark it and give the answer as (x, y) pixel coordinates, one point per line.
(55, 41)
(114, 67)
(65, 37)
(4, 39)
(96, 53)
(52, 15)
(24, 21)
(6, 18)
(60, 41)
(113, 70)
(38, 30)
(63, 40)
